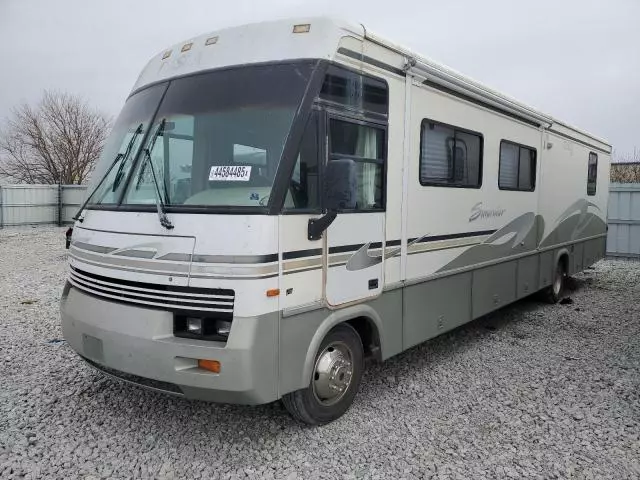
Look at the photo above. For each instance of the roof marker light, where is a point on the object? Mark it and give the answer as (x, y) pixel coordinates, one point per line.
(302, 28)
(186, 47)
(211, 41)
(166, 54)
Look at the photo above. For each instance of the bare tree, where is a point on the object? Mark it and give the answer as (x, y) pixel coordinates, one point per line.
(58, 141)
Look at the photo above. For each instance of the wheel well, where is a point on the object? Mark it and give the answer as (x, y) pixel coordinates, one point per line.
(564, 261)
(369, 335)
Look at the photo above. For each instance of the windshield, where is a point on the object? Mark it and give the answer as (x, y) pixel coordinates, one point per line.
(123, 144)
(219, 137)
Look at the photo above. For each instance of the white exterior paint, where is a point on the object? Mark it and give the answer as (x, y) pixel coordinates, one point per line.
(412, 210)
(257, 43)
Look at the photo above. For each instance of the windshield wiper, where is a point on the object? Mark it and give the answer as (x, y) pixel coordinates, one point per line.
(120, 157)
(162, 214)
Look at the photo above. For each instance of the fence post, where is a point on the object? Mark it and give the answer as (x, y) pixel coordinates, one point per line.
(1, 210)
(59, 204)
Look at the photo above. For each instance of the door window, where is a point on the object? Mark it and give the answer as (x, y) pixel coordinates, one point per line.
(365, 145)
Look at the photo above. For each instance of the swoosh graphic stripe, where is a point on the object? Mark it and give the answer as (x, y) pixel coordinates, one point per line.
(313, 252)
(435, 238)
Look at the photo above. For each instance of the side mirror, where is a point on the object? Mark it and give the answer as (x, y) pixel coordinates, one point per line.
(340, 186)
(67, 235)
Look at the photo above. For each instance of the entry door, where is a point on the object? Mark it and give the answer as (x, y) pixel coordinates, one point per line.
(354, 250)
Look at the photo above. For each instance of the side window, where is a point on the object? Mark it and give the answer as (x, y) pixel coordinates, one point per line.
(364, 144)
(351, 89)
(303, 191)
(517, 169)
(592, 174)
(450, 157)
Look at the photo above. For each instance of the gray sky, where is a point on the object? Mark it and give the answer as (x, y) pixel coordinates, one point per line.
(578, 60)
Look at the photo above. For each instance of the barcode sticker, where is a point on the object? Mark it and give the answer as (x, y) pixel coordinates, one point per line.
(227, 173)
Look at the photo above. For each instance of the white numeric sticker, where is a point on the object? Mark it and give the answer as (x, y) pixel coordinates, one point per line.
(226, 173)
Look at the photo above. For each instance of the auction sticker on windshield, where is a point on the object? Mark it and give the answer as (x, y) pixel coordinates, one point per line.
(226, 173)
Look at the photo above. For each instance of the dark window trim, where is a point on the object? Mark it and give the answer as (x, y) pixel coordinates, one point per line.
(354, 112)
(288, 61)
(214, 210)
(595, 180)
(318, 209)
(359, 117)
(535, 170)
(455, 129)
(276, 199)
(290, 150)
(378, 161)
(357, 159)
(301, 211)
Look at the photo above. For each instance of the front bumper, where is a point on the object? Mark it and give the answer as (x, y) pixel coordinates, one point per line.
(137, 345)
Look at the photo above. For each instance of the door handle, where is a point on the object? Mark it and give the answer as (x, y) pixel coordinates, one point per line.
(373, 284)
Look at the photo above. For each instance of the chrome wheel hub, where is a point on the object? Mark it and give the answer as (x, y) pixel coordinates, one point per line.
(333, 372)
(557, 283)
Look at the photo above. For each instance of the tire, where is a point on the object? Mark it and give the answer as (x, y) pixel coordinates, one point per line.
(554, 292)
(339, 363)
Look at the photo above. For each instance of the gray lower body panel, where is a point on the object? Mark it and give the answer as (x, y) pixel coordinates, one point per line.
(271, 355)
(433, 307)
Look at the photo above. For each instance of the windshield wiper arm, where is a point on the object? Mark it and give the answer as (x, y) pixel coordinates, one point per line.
(120, 157)
(162, 214)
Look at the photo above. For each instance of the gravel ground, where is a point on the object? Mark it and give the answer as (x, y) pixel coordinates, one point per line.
(536, 391)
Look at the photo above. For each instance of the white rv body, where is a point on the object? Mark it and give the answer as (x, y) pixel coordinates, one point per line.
(422, 261)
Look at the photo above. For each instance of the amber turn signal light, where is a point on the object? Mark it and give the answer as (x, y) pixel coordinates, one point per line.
(211, 365)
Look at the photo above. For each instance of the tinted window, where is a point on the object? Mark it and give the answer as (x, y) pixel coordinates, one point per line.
(365, 145)
(356, 140)
(449, 156)
(355, 90)
(517, 169)
(219, 136)
(592, 174)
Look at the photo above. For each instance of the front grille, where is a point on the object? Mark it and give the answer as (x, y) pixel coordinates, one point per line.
(178, 299)
(165, 387)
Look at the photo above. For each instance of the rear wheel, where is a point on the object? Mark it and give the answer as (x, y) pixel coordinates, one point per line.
(334, 381)
(553, 292)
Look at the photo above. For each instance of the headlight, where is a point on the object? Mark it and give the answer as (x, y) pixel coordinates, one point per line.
(201, 328)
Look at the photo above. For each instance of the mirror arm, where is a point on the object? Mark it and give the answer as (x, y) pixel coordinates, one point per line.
(318, 225)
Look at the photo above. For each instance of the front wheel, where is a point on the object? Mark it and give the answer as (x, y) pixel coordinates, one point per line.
(335, 379)
(553, 292)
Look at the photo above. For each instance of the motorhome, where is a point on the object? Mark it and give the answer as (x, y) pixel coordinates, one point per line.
(279, 202)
